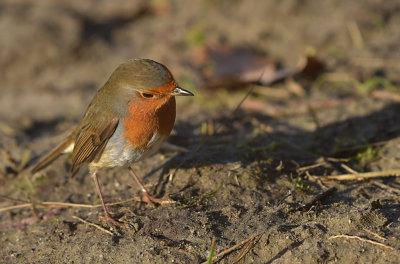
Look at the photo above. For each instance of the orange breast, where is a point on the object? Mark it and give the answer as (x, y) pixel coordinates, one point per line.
(147, 117)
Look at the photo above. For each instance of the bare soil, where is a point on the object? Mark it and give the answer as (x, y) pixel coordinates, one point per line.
(245, 172)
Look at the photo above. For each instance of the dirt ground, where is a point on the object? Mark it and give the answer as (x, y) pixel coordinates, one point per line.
(256, 179)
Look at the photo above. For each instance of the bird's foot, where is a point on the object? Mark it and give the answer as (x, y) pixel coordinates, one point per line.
(111, 221)
(151, 200)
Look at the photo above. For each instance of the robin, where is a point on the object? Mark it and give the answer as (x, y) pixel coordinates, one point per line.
(127, 120)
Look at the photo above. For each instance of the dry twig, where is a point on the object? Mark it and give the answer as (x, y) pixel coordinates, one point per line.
(229, 250)
(60, 204)
(348, 169)
(362, 239)
(94, 225)
(313, 166)
(386, 187)
(246, 248)
(374, 234)
(362, 175)
(355, 34)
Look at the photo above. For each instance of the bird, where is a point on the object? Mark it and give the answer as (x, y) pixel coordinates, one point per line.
(127, 120)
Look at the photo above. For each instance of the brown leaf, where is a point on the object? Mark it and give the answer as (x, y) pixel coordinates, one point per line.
(219, 65)
(222, 65)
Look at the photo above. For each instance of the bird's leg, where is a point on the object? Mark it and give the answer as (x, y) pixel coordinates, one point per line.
(109, 218)
(148, 198)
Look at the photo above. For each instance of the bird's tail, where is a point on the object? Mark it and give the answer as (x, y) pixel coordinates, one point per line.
(52, 155)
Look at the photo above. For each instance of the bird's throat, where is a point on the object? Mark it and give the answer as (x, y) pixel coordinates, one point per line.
(146, 117)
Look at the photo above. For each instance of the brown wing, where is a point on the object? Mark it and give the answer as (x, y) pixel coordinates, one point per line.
(91, 141)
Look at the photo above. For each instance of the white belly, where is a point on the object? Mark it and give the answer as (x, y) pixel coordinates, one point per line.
(118, 153)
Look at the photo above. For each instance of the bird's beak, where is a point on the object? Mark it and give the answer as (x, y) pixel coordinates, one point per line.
(182, 92)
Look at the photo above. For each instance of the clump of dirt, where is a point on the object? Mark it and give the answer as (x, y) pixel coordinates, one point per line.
(255, 172)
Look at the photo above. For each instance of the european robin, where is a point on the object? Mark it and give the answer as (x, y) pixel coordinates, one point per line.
(127, 120)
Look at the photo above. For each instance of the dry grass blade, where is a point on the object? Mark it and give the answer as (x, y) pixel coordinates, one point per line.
(374, 234)
(355, 35)
(4, 209)
(60, 204)
(235, 247)
(246, 248)
(25, 159)
(361, 175)
(94, 225)
(309, 167)
(348, 169)
(386, 187)
(47, 204)
(362, 239)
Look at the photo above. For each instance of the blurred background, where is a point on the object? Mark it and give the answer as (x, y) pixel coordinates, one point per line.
(51, 49)
(279, 85)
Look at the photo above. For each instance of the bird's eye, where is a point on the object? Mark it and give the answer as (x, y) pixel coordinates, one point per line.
(147, 95)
